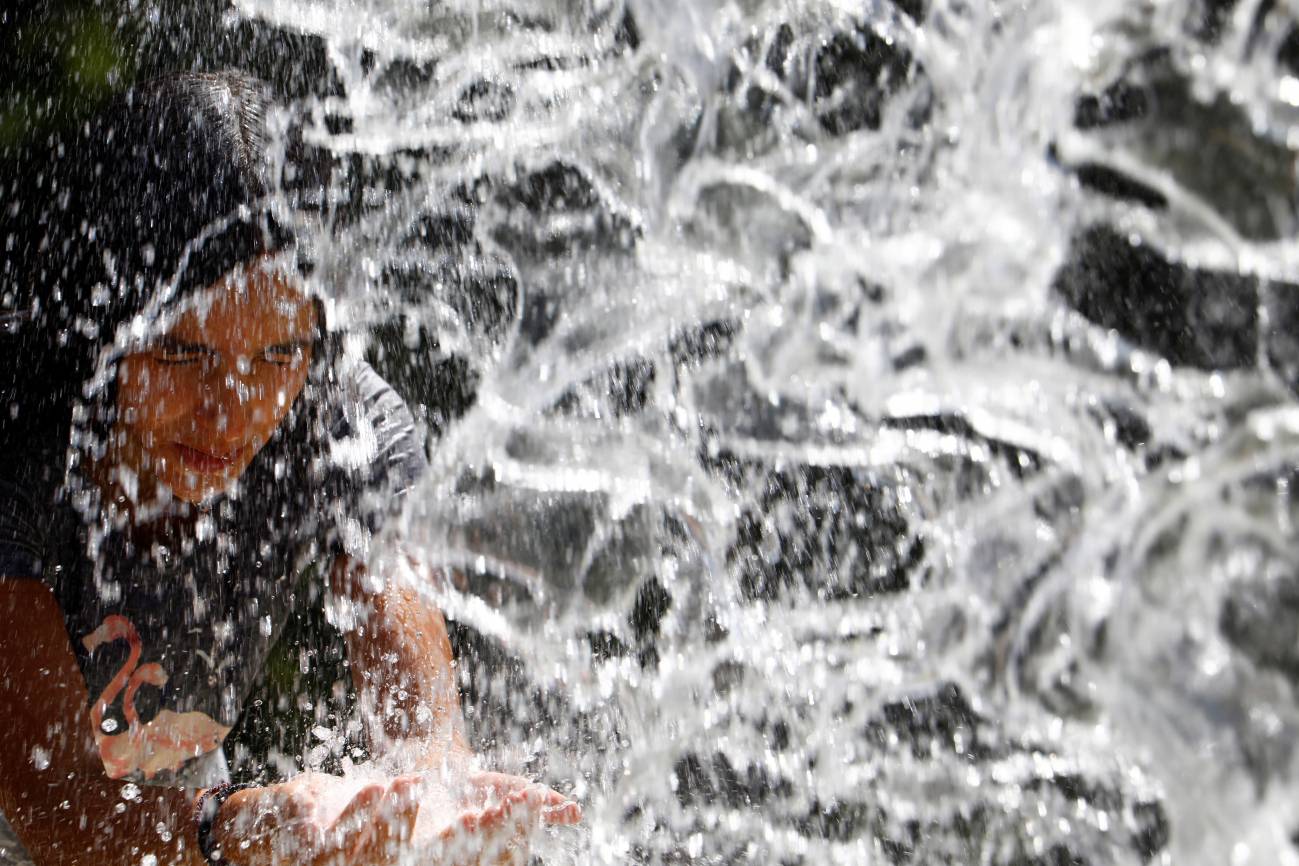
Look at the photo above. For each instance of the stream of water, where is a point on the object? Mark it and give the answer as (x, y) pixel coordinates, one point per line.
(830, 490)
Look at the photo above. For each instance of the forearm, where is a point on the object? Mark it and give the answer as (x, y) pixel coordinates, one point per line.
(53, 789)
(403, 670)
(89, 821)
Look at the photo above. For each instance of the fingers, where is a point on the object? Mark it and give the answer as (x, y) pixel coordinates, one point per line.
(519, 820)
(378, 822)
(489, 819)
(404, 799)
(566, 814)
(354, 830)
(499, 831)
(361, 805)
(496, 784)
(494, 835)
(552, 807)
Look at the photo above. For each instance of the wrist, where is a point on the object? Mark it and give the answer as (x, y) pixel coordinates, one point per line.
(214, 835)
(228, 829)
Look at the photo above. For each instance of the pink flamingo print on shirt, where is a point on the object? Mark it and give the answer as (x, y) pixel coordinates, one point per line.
(163, 743)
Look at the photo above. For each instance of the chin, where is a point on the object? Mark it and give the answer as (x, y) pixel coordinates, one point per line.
(197, 491)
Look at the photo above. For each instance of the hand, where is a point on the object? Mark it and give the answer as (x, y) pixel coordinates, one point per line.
(316, 819)
(488, 820)
(320, 820)
(553, 807)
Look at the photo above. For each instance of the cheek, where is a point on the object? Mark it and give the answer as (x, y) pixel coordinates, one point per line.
(150, 395)
(275, 397)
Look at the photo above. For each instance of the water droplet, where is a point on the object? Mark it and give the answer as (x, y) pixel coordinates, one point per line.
(108, 725)
(40, 758)
(205, 528)
(130, 792)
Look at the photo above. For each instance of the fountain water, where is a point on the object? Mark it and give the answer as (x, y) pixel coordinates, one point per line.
(863, 429)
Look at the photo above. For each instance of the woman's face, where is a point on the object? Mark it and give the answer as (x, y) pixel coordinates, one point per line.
(199, 402)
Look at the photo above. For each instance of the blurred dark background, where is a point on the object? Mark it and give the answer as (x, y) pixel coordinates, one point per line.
(59, 58)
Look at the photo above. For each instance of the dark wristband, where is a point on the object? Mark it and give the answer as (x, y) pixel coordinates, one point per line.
(205, 811)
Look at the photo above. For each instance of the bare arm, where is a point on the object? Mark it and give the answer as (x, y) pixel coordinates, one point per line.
(53, 788)
(403, 669)
(66, 811)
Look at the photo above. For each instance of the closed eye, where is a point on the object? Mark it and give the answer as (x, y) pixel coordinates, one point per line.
(167, 352)
(285, 354)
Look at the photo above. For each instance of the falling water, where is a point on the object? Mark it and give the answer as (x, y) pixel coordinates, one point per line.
(861, 431)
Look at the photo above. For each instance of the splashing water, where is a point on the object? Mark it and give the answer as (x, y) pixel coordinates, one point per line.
(830, 493)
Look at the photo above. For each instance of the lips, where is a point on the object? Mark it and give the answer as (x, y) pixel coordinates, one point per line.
(197, 460)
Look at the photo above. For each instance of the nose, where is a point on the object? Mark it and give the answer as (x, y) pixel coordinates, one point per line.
(226, 415)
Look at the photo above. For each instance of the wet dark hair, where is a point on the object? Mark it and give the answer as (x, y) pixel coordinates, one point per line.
(160, 193)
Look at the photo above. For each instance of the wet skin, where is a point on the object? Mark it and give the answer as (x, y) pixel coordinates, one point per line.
(195, 407)
(197, 404)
